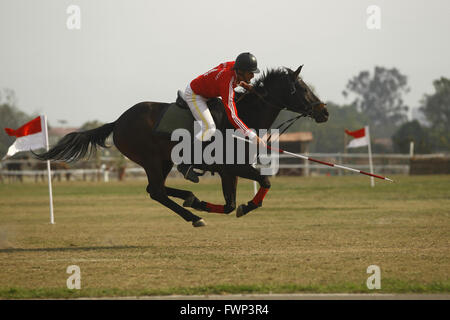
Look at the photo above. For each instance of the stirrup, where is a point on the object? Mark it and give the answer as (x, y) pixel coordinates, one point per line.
(188, 172)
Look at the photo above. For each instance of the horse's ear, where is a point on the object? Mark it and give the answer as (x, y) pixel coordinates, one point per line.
(297, 72)
(289, 71)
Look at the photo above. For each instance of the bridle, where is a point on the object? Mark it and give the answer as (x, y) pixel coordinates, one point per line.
(281, 106)
(277, 104)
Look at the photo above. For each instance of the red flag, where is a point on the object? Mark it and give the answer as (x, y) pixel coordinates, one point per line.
(34, 126)
(29, 136)
(360, 138)
(357, 133)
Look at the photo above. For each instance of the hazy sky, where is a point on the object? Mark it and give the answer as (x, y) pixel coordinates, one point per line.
(134, 50)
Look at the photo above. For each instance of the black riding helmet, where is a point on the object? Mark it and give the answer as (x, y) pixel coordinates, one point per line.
(246, 62)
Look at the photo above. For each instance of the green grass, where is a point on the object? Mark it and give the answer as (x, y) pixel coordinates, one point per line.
(314, 235)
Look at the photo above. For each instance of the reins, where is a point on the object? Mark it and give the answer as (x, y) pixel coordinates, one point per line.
(290, 122)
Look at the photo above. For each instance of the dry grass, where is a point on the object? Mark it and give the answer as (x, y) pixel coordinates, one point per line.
(315, 234)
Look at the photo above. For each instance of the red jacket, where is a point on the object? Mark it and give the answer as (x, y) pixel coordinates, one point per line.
(220, 82)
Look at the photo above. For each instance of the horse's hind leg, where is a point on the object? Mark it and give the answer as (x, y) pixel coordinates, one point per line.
(229, 183)
(190, 200)
(157, 192)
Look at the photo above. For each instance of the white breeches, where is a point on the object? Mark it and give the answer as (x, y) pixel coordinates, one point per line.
(201, 113)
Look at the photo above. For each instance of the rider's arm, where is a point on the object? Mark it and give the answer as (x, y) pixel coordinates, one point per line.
(230, 108)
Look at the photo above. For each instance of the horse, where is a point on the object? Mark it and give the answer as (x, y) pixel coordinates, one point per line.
(133, 135)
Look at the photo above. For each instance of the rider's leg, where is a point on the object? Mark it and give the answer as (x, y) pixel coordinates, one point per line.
(201, 113)
(199, 108)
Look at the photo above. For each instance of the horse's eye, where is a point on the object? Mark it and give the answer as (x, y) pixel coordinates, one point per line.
(293, 89)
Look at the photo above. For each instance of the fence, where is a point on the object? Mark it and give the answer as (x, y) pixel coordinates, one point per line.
(382, 163)
(20, 170)
(288, 165)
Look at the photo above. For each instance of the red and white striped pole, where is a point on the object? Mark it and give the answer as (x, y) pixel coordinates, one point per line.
(331, 164)
(323, 162)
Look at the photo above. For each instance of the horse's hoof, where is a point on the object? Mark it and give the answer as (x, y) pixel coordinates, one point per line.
(240, 211)
(199, 223)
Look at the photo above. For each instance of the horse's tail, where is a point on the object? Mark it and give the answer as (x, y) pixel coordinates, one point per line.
(76, 145)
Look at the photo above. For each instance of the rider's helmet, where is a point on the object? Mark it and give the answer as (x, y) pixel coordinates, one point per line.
(246, 62)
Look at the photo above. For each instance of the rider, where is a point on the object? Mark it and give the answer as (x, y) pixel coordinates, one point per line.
(219, 82)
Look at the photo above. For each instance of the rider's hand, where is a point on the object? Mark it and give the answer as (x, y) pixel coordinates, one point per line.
(259, 141)
(245, 85)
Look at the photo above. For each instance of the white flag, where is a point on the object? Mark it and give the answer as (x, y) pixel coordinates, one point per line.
(360, 138)
(29, 136)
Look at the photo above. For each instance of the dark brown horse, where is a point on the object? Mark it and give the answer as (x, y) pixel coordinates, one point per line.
(133, 136)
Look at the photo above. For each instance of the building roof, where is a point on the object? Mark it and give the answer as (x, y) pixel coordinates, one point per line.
(305, 136)
(387, 142)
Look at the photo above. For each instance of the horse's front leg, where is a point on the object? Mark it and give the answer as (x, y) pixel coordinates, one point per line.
(229, 184)
(249, 172)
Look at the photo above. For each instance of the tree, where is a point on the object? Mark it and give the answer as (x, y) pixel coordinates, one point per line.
(436, 108)
(90, 125)
(411, 131)
(379, 97)
(10, 117)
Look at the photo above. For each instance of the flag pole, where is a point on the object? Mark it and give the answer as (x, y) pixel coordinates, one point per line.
(49, 175)
(372, 182)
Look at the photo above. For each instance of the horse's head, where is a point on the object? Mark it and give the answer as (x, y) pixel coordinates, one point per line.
(301, 99)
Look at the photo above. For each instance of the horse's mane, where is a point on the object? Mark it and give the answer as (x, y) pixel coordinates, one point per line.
(266, 79)
(270, 76)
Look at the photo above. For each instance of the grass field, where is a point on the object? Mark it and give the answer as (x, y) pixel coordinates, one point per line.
(316, 234)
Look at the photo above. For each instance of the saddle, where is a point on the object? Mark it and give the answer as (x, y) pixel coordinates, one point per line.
(177, 115)
(181, 100)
